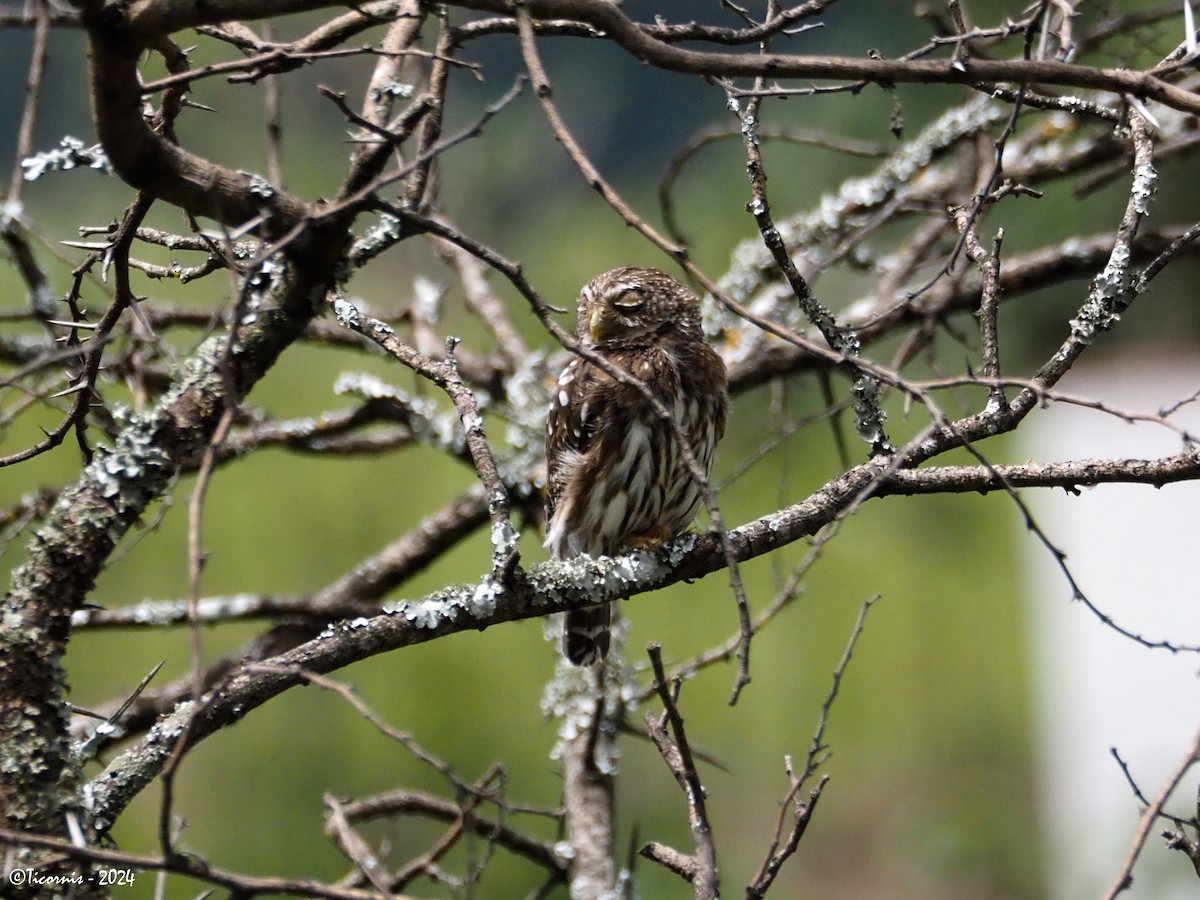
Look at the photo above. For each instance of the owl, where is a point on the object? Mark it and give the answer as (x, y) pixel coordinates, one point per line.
(616, 478)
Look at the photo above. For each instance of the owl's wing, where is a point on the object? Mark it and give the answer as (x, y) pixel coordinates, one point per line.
(570, 426)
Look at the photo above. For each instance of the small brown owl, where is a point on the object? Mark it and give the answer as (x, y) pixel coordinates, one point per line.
(616, 476)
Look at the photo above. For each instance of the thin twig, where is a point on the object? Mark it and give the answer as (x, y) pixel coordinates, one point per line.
(1124, 876)
(446, 376)
(34, 81)
(786, 838)
(701, 869)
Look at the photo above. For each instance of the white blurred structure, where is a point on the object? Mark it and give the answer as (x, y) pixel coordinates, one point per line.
(1135, 552)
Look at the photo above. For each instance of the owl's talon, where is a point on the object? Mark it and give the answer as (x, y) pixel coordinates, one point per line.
(650, 540)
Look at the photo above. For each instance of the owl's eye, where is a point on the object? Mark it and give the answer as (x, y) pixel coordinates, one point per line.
(630, 300)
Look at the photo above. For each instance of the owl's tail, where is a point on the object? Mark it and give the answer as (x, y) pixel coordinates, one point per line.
(586, 635)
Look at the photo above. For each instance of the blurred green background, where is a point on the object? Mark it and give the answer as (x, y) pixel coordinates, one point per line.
(932, 790)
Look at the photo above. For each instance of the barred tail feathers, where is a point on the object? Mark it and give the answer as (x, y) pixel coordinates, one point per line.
(586, 634)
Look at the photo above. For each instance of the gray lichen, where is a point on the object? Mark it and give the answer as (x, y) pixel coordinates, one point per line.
(505, 539)
(155, 747)
(868, 414)
(394, 88)
(1145, 182)
(346, 312)
(132, 472)
(453, 604)
(388, 232)
(71, 153)
(571, 697)
(429, 424)
(1109, 295)
(260, 187)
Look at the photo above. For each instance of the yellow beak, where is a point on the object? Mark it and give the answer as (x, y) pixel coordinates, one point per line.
(599, 325)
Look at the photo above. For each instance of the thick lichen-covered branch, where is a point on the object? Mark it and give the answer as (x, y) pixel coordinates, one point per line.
(558, 586)
(78, 536)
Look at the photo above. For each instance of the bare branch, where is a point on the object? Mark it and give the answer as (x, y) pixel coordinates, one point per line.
(700, 869)
(642, 45)
(446, 376)
(1150, 815)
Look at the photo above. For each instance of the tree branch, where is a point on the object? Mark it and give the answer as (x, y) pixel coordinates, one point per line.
(640, 43)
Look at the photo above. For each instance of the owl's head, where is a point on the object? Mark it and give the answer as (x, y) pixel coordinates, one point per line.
(631, 306)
